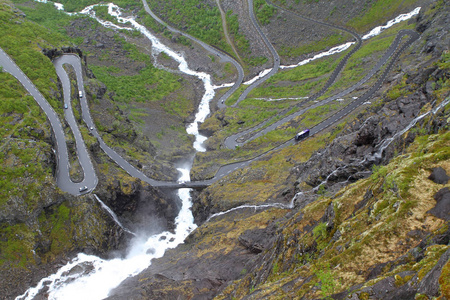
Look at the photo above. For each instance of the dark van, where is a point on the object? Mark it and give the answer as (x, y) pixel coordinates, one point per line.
(302, 134)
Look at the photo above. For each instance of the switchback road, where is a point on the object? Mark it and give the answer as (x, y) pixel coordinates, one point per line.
(90, 179)
(63, 169)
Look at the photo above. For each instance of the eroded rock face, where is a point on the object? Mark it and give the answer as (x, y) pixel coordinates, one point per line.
(203, 265)
(48, 240)
(351, 155)
(139, 205)
(257, 240)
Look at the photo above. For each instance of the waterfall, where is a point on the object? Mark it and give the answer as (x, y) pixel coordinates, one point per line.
(113, 215)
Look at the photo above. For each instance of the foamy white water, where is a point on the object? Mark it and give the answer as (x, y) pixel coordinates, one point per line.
(58, 6)
(332, 51)
(113, 215)
(101, 276)
(377, 30)
(90, 277)
(223, 85)
(374, 32)
(260, 75)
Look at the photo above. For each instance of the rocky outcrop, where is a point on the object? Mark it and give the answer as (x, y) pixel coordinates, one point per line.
(139, 204)
(57, 231)
(439, 175)
(54, 53)
(442, 208)
(210, 261)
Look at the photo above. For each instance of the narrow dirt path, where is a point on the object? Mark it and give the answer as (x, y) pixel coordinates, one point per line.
(225, 31)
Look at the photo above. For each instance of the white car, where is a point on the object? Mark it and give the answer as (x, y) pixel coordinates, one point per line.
(84, 188)
(80, 93)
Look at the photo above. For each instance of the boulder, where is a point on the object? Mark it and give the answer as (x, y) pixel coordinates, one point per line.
(442, 208)
(438, 175)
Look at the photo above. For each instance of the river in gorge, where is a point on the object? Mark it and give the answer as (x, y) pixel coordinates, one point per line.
(91, 277)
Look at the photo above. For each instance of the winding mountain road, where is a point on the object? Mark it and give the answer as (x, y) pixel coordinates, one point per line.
(275, 56)
(90, 179)
(63, 179)
(232, 141)
(222, 55)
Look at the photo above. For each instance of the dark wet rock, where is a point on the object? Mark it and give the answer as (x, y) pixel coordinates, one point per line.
(139, 204)
(375, 271)
(328, 217)
(389, 290)
(256, 240)
(367, 196)
(442, 239)
(430, 283)
(442, 208)
(53, 53)
(438, 175)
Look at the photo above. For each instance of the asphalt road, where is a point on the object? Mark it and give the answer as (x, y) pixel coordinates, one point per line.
(62, 171)
(275, 56)
(232, 141)
(90, 179)
(75, 62)
(224, 57)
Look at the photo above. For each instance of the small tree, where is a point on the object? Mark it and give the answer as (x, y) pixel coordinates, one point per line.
(328, 284)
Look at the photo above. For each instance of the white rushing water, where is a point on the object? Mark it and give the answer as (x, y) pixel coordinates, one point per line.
(340, 48)
(157, 47)
(113, 215)
(99, 276)
(374, 32)
(91, 277)
(400, 18)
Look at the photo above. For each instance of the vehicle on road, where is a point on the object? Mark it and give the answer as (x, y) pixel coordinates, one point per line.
(65, 106)
(302, 135)
(80, 93)
(83, 189)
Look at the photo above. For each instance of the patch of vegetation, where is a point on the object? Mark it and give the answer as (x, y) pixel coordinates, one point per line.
(264, 11)
(150, 84)
(23, 40)
(299, 90)
(256, 60)
(298, 82)
(195, 17)
(320, 231)
(240, 41)
(444, 280)
(16, 243)
(47, 15)
(327, 281)
(101, 11)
